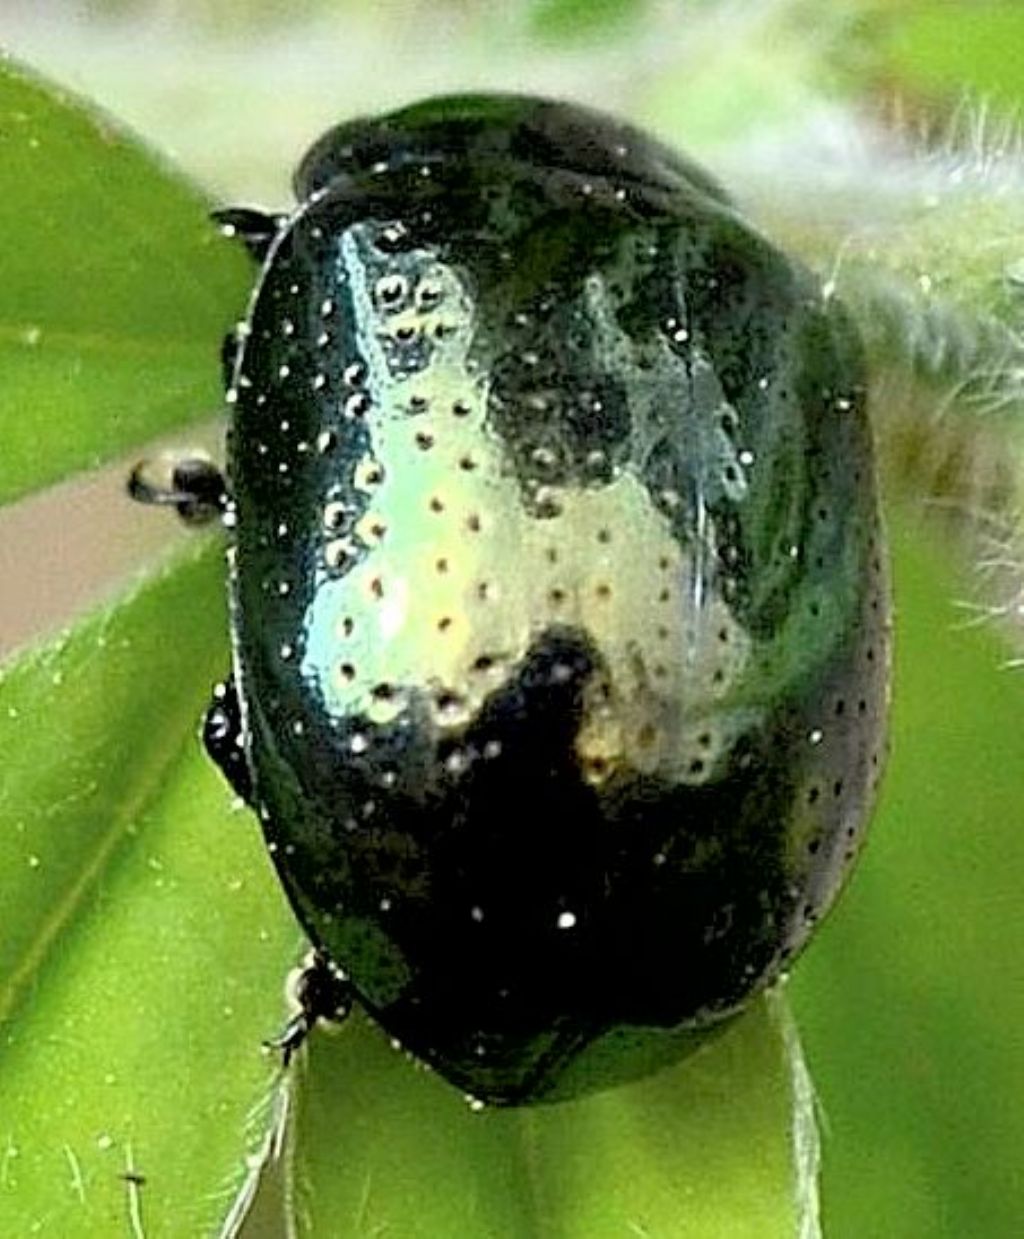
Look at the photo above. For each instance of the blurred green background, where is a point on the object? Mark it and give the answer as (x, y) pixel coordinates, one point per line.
(831, 123)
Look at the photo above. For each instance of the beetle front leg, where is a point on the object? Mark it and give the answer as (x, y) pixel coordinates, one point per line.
(320, 990)
(256, 230)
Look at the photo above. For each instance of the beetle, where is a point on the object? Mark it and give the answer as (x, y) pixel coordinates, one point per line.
(558, 596)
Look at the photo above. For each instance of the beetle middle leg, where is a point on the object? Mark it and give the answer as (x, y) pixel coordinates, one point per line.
(223, 737)
(321, 991)
(193, 485)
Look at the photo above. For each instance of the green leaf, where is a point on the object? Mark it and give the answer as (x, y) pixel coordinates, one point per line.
(911, 1000)
(145, 936)
(703, 1149)
(740, 71)
(116, 290)
(582, 19)
(145, 940)
(947, 48)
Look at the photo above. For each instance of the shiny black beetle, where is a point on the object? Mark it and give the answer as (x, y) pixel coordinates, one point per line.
(559, 607)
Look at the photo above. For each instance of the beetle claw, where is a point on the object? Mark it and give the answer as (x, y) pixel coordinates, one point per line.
(290, 1039)
(322, 991)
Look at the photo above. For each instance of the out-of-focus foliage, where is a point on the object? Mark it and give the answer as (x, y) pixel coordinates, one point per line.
(937, 50)
(576, 19)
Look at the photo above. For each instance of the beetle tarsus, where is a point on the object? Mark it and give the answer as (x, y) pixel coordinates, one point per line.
(322, 991)
(194, 486)
(255, 229)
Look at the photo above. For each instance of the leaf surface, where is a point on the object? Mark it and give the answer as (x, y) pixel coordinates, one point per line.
(703, 1149)
(116, 289)
(911, 999)
(145, 937)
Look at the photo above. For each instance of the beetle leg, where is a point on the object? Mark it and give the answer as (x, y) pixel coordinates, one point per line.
(255, 229)
(223, 738)
(195, 487)
(321, 991)
(230, 347)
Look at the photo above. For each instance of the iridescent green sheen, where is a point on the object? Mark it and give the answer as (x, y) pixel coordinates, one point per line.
(560, 608)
